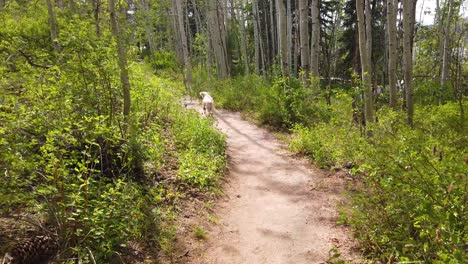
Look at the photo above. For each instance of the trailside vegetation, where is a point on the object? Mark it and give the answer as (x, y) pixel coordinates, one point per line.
(99, 181)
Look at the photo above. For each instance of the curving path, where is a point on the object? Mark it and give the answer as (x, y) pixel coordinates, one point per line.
(276, 208)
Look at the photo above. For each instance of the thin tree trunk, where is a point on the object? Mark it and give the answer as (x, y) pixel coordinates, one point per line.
(365, 61)
(315, 42)
(274, 42)
(243, 39)
(122, 53)
(304, 39)
(262, 45)
(392, 6)
(148, 26)
(53, 26)
(446, 49)
(183, 38)
(267, 52)
(408, 21)
(289, 35)
(97, 12)
(218, 38)
(282, 35)
(438, 20)
(256, 37)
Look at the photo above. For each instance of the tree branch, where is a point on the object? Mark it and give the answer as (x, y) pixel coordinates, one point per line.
(32, 63)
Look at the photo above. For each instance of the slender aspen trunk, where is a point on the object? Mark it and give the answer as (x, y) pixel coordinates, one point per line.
(365, 61)
(282, 35)
(274, 42)
(218, 38)
(267, 46)
(304, 39)
(262, 45)
(392, 6)
(256, 37)
(408, 21)
(243, 38)
(446, 49)
(184, 43)
(315, 42)
(289, 35)
(148, 29)
(53, 26)
(97, 11)
(123, 65)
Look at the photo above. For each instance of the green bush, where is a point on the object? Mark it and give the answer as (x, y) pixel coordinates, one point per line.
(411, 205)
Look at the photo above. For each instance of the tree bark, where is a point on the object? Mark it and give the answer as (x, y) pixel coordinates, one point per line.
(150, 35)
(243, 38)
(365, 60)
(392, 6)
(315, 42)
(274, 42)
(446, 50)
(123, 65)
(183, 38)
(304, 39)
(282, 36)
(408, 22)
(218, 38)
(256, 37)
(97, 12)
(53, 26)
(289, 35)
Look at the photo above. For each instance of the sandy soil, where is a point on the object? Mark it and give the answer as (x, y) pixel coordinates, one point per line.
(277, 208)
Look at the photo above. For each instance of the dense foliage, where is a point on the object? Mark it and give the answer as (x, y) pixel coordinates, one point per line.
(68, 167)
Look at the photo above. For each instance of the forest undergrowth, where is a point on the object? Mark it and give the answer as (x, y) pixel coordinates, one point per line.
(408, 196)
(70, 169)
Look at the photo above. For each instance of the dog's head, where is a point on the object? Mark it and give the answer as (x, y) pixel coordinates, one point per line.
(203, 94)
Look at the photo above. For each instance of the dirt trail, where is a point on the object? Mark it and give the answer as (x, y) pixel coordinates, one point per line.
(276, 208)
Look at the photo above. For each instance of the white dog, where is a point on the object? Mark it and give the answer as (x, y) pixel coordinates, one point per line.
(207, 102)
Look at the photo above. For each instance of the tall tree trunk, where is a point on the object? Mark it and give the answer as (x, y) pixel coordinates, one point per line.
(267, 46)
(304, 39)
(175, 36)
(123, 65)
(289, 35)
(53, 26)
(365, 60)
(315, 42)
(446, 50)
(408, 25)
(392, 6)
(282, 36)
(148, 26)
(245, 57)
(256, 37)
(261, 42)
(97, 11)
(218, 38)
(274, 42)
(183, 38)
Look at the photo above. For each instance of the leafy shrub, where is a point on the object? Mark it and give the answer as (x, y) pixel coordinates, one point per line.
(162, 60)
(202, 148)
(411, 205)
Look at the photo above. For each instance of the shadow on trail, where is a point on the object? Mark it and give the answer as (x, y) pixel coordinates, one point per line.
(249, 138)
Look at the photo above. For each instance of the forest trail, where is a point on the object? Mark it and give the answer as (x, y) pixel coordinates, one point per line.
(276, 208)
